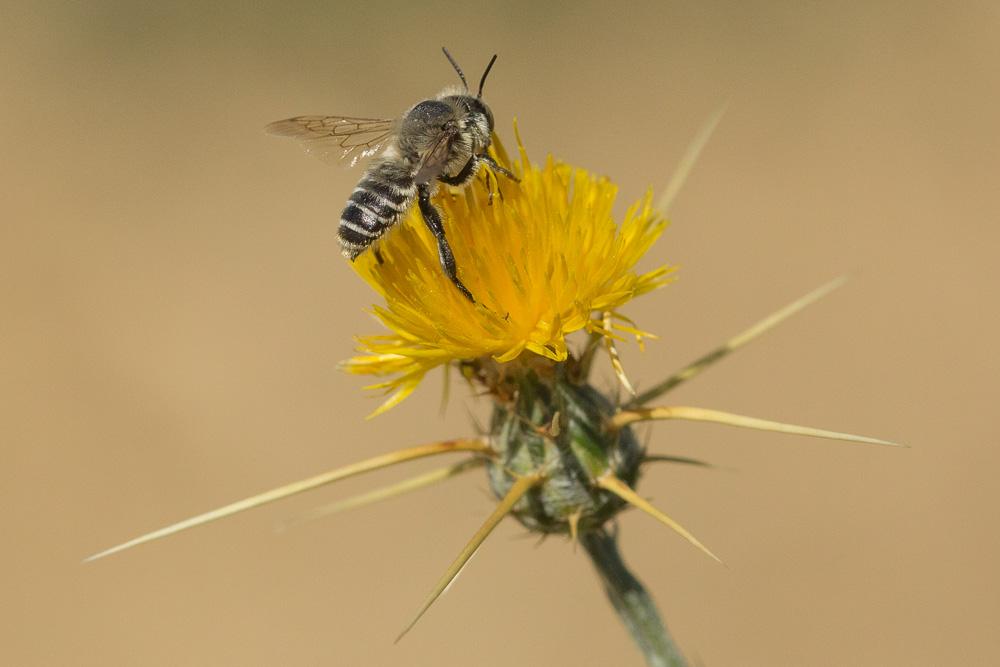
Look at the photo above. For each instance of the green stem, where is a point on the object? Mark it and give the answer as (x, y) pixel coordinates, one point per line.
(633, 604)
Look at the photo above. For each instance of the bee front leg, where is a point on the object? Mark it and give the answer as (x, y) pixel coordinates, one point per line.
(495, 166)
(433, 221)
(464, 175)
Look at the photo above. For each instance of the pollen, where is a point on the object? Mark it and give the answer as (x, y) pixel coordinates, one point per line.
(544, 258)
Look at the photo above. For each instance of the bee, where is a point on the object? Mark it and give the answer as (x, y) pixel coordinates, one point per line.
(440, 140)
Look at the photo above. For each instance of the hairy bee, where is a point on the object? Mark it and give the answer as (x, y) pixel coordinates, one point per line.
(444, 139)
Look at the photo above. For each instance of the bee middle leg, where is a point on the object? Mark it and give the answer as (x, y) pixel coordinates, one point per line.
(433, 221)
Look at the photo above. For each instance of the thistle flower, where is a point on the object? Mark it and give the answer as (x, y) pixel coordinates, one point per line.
(541, 262)
(544, 259)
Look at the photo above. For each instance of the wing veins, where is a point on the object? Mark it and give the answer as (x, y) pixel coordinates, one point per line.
(338, 137)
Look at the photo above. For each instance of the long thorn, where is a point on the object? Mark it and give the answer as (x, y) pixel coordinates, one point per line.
(736, 342)
(445, 389)
(519, 488)
(384, 493)
(683, 460)
(616, 486)
(719, 417)
(688, 161)
(334, 475)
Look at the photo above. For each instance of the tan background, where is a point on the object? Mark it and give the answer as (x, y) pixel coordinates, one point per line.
(174, 306)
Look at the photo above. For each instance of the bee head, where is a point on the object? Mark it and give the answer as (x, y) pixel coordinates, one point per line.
(477, 107)
(471, 117)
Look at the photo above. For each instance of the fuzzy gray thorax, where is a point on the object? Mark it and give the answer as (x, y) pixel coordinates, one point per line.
(438, 137)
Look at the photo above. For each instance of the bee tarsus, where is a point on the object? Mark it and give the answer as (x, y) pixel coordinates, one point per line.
(495, 166)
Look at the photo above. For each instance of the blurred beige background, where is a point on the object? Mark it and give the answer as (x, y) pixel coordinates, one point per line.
(174, 306)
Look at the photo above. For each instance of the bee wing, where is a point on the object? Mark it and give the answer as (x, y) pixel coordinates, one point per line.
(336, 138)
(432, 162)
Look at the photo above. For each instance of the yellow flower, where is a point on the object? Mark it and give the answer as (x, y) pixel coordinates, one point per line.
(541, 259)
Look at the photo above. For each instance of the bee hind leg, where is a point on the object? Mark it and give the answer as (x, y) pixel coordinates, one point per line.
(433, 221)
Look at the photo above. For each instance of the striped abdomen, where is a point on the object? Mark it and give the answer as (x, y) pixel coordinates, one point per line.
(382, 197)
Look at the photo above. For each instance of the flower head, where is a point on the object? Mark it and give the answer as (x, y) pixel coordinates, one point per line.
(541, 258)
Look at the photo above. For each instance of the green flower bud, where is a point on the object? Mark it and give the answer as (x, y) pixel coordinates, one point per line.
(559, 429)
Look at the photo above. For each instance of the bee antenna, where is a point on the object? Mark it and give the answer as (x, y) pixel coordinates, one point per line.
(457, 68)
(483, 80)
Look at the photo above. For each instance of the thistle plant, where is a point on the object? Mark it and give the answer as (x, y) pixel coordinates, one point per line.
(546, 260)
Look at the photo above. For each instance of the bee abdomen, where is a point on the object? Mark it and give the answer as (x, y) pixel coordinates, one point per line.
(372, 209)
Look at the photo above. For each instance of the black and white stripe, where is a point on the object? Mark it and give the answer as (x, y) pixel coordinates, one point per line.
(377, 204)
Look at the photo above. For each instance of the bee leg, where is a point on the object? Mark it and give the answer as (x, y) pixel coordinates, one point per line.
(378, 256)
(489, 188)
(433, 221)
(463, 176)
(496, 167)
(469, 171)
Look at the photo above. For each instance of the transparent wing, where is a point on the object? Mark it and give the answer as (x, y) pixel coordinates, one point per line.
(432, 162)
(336, 138)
